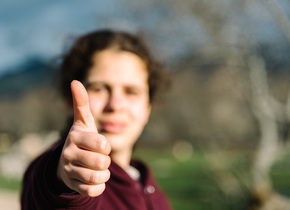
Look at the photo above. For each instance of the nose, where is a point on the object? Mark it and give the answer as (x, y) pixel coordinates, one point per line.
(116, 101)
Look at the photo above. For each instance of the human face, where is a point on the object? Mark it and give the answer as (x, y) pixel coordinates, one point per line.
(119, 97)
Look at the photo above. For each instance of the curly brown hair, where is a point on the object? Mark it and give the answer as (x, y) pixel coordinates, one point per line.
(78, 60)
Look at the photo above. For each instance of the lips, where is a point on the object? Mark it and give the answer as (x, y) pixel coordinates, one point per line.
(112, 127)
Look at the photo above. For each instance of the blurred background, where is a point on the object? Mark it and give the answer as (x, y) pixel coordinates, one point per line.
(219, 139)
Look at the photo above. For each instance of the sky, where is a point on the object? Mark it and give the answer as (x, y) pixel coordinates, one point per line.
(41, 28)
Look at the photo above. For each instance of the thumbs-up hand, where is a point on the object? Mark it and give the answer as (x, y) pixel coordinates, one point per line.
(84, 161)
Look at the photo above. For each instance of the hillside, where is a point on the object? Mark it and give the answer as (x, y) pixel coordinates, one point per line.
(34, 73)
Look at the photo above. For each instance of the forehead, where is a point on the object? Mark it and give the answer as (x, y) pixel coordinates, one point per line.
(118, 67)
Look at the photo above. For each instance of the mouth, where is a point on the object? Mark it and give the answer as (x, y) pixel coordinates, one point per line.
(111, 127)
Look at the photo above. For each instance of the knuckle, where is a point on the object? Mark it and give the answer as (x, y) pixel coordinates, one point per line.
(96, 190)
(108, 161)
(103, 144)
(67, 168)
(91, 192)
(66, 154)
(108, 175)
(94, 178)
(71, 135)
(100, 162)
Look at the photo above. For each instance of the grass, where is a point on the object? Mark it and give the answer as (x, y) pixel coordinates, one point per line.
(10, 184)
(191, 184)
(280, 174)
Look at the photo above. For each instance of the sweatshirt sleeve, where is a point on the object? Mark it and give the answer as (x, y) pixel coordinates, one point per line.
(41, 189)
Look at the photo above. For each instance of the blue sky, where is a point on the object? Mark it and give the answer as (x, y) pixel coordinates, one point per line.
(40, 28)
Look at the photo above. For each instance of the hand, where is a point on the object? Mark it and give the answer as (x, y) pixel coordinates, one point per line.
(84, 161)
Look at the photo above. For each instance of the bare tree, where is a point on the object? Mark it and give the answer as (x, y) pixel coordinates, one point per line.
(243, 56)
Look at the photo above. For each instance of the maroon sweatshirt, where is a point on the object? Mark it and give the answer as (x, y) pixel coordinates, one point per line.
(42, 190)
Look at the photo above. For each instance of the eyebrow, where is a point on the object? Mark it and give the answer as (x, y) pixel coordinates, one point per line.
(89, 84)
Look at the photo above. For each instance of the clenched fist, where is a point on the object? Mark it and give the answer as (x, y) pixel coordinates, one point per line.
(84, 161)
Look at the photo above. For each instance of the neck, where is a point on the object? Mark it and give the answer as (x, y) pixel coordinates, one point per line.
(122, 158)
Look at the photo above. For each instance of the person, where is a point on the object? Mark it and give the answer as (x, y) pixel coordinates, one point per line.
(109, 79)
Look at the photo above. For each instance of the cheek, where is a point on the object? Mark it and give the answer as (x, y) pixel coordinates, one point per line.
(141, 113)
(96, 106)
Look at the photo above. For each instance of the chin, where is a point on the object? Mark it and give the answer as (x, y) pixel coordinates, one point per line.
(119, 142)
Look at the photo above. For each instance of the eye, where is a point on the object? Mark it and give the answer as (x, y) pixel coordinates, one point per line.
(96, 88)
(132, 91)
